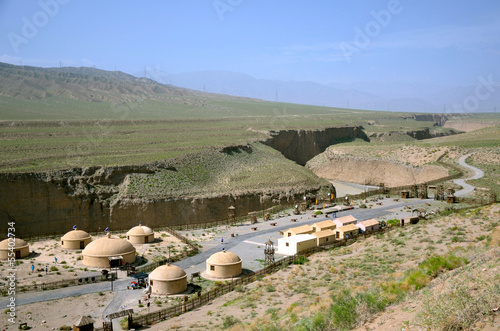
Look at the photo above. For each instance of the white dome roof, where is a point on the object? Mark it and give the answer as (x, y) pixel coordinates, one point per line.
(76, 235)
(224, 257)
(108, 246)
(19, 243)
(140, 230)
(167, 272)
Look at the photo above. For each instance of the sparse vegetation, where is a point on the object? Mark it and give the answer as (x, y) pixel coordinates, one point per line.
(337, 289)
(346, 287)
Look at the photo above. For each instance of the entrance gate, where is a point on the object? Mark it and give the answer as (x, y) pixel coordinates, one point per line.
(108, 326)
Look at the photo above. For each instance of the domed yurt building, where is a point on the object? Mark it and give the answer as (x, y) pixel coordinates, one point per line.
(223, 264)
(75, 239)
(21, 249)
(101, 252)
(168, 279)
(140, 235)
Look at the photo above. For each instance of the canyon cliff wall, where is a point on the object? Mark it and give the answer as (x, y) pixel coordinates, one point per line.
(302, 145)
(51, 203)
(415, 134)
(94, 198)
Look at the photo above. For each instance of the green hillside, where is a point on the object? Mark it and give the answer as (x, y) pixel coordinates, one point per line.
(55, 118)
(213, 172)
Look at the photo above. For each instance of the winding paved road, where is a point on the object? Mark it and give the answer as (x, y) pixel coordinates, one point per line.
(247, 244)
(244, 244)
(466, 188)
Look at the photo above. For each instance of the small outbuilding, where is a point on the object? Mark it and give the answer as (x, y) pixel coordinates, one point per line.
(451, 198)
(296, 244)
(324, 237)
(345, 220)
(140, 235)
(303, 229)
(224, 264)
(20, 248)
(101, 252)
(168, 279)
(405, 194)
(325, 225)
(409, 220)
(346, 231)
(75, 239)
(368, 225)
(84, 323)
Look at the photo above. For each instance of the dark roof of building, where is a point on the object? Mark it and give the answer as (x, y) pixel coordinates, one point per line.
(83, 320)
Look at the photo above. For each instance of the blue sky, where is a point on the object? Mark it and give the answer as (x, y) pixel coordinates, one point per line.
(328, 41)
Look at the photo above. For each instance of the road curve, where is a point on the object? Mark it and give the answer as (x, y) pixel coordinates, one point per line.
(197, 262)
(466, 188)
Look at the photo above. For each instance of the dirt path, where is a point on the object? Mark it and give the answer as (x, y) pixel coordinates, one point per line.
(467, 188)
(343, 188)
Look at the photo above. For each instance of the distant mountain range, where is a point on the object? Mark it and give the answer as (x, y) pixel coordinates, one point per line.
(86, 84)
(95, 85)
(397, 96)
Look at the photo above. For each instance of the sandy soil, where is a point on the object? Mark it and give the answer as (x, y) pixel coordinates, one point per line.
(256, 305)
(343, 188)
(51, 315)
(69, 265)
(413, 155)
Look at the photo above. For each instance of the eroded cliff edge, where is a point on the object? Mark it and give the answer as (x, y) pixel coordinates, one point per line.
(335, 164)
(302, 145)
(192, 189)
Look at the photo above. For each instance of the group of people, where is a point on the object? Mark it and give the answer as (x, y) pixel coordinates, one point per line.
(46, 268)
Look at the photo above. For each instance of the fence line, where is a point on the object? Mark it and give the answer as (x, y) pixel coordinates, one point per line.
(193, 250)
(174, 233)
(60, 284)
(202, 299)
(231, 221)
(398, 189)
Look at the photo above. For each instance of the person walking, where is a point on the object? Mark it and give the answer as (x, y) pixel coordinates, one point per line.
(46, 270)
(222, 240)
(32, 268)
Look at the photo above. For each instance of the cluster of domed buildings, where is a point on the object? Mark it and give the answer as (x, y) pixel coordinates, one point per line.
(170, 279)
(19, 247)
(114, 251)
(97, 253)
(109, 250)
